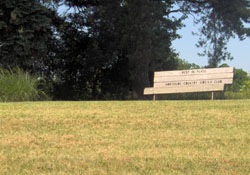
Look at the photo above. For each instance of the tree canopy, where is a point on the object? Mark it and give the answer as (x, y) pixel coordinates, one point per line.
(25, 28)
(220, 21)
(105, 49)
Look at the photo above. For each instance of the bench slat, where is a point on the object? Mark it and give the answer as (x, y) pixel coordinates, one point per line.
(193, 77)
(195, 71)
(197, 88)
(174, 84)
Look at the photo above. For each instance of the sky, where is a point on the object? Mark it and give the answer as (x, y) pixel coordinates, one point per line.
(187, 50)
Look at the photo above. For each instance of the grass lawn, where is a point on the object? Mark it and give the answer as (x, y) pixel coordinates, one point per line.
(139, 137)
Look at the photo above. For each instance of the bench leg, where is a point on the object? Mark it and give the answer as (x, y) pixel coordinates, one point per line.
(154, 97)
(212, 96)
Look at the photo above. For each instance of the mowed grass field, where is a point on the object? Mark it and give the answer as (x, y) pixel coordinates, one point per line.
(132, 137)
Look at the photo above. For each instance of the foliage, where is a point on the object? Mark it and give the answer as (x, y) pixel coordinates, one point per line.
(240, 88)
(110, 138)
(17, 85)
(184, 65)
(242, 93)
(220, 20)
(148, 36)
(25, 28)
(236, 95)
(226, 20)
(240, 77)
(109, 49)
(246, 85)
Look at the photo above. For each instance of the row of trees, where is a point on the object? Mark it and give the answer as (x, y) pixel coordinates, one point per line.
(106, 49)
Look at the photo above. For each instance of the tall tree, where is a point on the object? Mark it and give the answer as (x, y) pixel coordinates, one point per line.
(150, 33)
(110, 49)
(138, 33)
(220, 20)
(25, 27)
(128, 41)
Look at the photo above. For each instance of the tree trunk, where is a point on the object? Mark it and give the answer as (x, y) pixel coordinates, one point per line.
(139, 65)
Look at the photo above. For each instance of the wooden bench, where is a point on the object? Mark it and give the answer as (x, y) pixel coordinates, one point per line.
(196, 80)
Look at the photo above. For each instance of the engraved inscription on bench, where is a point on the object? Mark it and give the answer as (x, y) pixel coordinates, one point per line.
(197, 80)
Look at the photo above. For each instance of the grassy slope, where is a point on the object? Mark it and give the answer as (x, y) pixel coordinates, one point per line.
(163, 137)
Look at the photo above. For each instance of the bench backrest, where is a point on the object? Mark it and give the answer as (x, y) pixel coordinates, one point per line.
(196, 80)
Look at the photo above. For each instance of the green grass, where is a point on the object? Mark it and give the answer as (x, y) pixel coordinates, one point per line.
(17, 85)
(162, 137)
